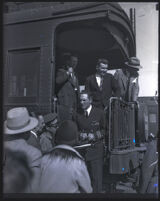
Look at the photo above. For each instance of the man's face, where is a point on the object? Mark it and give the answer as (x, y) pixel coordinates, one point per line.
(131, 72)
(102, 69)
(73, 62)
(85, 101)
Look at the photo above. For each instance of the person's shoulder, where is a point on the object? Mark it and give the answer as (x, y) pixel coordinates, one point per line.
(118, 72)
(108, 76)
(98, 110)
(61, 70)
(33, 151)
(90, 77)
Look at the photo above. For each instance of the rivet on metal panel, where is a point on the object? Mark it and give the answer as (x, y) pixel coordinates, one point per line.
(52, 61)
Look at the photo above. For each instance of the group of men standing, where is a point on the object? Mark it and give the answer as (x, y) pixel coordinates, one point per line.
(89, 108)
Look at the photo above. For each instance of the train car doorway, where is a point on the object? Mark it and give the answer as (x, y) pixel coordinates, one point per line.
(89, 40)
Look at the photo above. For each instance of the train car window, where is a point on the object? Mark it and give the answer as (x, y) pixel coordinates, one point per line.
(23, 78)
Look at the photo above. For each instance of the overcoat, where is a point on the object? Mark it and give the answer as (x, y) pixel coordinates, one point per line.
(67, 90)
(133, 89)
(34, 156)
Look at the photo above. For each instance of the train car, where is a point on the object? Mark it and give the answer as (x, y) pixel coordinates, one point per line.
(34, 40)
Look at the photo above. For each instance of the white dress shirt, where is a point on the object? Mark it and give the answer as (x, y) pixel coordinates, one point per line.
(89, 110)
(98, 79)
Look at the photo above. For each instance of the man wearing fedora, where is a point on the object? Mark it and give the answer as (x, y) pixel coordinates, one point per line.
(17, 129)
(127, 79)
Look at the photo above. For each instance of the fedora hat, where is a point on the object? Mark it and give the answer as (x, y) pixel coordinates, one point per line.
(19, 121)
(67, 133)
(133, 62)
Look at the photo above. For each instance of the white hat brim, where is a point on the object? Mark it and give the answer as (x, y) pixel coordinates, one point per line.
(32, 124)
(136, 67)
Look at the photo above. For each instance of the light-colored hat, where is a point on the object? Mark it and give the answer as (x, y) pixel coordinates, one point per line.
(133, 62)
(19, 121)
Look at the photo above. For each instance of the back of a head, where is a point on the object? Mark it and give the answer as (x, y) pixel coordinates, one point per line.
(67, 133)
(86, 92)
(66, 57)
(17, 173)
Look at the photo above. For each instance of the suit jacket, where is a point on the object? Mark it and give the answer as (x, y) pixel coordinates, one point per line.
(66, 93)
(95, 121)
(109, 89)
(133, 89)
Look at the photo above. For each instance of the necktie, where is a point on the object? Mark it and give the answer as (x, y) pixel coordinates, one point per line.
(86, 113)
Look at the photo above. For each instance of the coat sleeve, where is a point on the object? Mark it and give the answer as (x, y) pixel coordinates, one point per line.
(87, 85)
(115, 86)
(82, 177)
(116, 75)
(61, 77)
(35, 166)
(102, 121)
(135, 91)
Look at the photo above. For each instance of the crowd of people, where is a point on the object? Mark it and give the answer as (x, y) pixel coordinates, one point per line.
(83, 117)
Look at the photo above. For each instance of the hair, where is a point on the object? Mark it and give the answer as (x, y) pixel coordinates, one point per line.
(64, 154)
(17, 173)
(86, 92)
(66, 57)
(104, 61)
(74, 55)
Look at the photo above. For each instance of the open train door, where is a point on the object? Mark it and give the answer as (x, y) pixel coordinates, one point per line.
(102, 30)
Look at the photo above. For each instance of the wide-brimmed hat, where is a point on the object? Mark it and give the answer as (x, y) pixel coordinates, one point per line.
(133, 62)
(67, 133)
(19, 121)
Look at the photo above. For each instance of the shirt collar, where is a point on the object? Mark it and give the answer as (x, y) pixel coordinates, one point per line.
(89, 109)
(98, 75)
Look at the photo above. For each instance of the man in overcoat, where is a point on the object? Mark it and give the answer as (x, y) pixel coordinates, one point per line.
(67, 87)
(17, 129)
(127, 79)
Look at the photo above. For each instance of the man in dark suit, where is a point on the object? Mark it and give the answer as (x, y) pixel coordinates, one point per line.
(102, 85)
(91, 124)
(67, 88)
